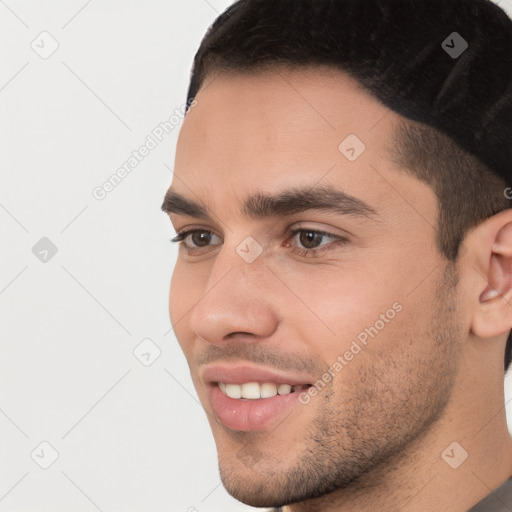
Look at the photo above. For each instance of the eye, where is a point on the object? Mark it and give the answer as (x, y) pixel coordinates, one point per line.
(198, 237)
(311, 239)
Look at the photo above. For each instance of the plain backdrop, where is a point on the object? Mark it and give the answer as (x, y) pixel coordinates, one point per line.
(97, 409)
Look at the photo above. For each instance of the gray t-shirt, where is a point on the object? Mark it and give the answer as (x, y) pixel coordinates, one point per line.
(500, 500)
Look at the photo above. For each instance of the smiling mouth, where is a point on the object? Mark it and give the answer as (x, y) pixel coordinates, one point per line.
(257, 391)
(250, 398)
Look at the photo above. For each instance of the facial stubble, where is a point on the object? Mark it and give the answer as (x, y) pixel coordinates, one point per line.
(355, 439)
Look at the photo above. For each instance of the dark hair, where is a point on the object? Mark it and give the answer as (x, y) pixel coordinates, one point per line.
(392, 48)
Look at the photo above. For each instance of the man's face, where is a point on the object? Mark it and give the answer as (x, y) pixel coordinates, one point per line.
(366, 329)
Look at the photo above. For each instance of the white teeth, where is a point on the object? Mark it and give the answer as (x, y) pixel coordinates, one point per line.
(268, 390)
(254, 390)
(251, 390)
(284, 389)
(234, 391)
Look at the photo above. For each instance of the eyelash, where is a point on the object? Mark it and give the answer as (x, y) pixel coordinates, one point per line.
(339, 240)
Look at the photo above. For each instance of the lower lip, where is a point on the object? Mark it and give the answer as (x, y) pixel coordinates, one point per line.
(249, 415)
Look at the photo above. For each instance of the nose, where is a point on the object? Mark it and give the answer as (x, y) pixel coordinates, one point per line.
(236, 300)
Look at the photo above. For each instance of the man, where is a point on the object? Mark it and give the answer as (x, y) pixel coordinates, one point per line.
(344, 280)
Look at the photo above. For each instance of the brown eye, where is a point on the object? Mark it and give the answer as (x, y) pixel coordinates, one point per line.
(310, 239)
(200, 238)
(194, 238)
(314, 243)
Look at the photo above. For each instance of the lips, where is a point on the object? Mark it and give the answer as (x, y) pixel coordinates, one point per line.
(247, 398)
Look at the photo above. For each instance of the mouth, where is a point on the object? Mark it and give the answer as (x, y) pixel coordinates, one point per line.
(248, 398)
(257, 391)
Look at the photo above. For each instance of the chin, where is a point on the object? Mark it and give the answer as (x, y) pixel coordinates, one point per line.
(252, 488)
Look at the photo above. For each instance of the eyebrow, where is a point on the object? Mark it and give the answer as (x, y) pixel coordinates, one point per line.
(288, 202)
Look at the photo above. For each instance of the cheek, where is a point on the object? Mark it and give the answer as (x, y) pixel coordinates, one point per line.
(339, 304)
(175, 291)
(181, 297)
(370, 305)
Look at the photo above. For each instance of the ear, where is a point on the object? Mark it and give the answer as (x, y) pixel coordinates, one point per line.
(493, 251)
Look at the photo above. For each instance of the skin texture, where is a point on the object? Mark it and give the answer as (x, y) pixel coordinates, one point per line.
(372, 439)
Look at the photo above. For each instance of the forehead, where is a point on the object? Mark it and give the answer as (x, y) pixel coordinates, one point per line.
(269, 131)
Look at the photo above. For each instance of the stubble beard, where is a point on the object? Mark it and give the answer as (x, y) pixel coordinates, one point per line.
(353, 441)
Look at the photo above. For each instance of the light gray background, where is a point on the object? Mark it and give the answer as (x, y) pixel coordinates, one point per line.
(129, 437)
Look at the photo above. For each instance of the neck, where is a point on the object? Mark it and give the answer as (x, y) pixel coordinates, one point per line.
(430, 474)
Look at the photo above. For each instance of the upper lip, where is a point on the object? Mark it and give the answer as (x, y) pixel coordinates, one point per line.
(242, 373)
